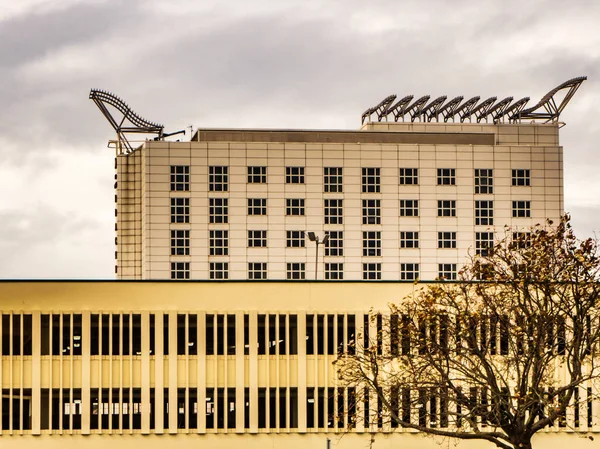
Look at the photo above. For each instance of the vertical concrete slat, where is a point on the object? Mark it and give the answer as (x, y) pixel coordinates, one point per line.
(302, 384)
(85, 371)
(145, 372)
(253, 371)
(239, 373)
(201, 374)
(159, 382)
(36, 373)
(173, 380)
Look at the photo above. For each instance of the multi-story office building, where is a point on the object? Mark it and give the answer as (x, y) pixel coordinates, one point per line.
(221, 364)
(398, 201)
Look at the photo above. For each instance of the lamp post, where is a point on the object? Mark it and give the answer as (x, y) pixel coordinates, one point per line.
(314, 238)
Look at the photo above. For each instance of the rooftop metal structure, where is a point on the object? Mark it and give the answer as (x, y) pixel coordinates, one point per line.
(129, 122)
(547, 110)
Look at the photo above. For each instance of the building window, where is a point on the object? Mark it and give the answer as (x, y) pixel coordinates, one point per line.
(446, 176)
(294, 206)
(180, 178)
(180, 242)
(521, 209)
(335, 244)
(180, 210)
(447, 271)
(333, 211)
(446, 208)
(257, 239)
(483, 242)
(371, 243)
(409, 271)
(371, 180)
(484, 213)
(409, 239)
(257, 206)
(520, 177)
(446, 239)
(371, 212)
(218, 210)
(257, 270)
(257, 175)
(409, 208)
(521, 240)
(294, 175)
(294, 239)
(217, 178)
(219, 270)
(219, 242)
(371, 271)
(180, 270)
(409, 176)
(334, 271)
(484, 181)
(296, 270)
(332, 179)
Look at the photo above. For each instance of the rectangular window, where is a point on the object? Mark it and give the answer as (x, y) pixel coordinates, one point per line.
(180, 242)
(334, 271)
(484, 181)
(522, 240)
(335, 244)
(294, 175)
(371, 243)
(409, 271)
(446, 176)
(409, 208)
(218, 210)
(219, 242)
(294, 207)
(409, 176)
(257, 239)
(484, 213)
(409, 239)
(219, 270)
(296, 270)
(521, 209)
(447, 271)
(257, 270)
(446, 239)
(371, 271)
(257, 206)
(520, 177)
(257, 175)
(483, 242)
(446, 208)
(217, 178)
(294, 239)
(371, 180)
(180, 270)
(180, 178)
(180, 210)
(371, 212)
(332, 179)
(333, 211)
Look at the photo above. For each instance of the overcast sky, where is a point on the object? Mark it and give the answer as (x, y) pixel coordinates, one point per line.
(277, 63)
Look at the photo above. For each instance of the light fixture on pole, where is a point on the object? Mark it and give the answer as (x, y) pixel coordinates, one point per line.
(314, 238)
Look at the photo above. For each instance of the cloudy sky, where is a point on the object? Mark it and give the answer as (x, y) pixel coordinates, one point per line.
(269, 63)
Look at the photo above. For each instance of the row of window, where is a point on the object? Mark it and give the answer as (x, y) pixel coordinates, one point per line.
(277, 408)
(297, 270)
(219, 241)
(218, 178)
(333, 209)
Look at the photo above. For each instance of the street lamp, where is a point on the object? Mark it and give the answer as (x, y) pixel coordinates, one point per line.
(313, 238)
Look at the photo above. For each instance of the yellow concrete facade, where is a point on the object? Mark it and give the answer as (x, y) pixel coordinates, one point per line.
(215, 364)
(392, 229)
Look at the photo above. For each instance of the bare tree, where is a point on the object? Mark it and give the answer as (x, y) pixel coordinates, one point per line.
(508, 350)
